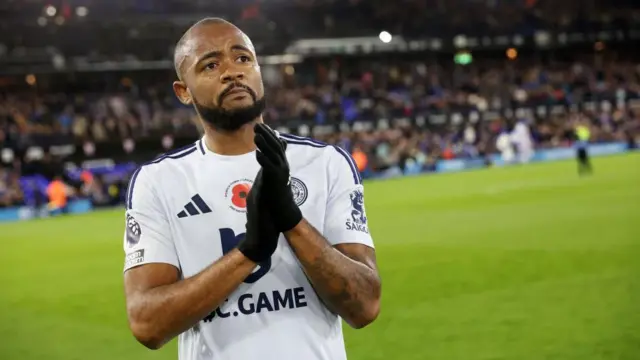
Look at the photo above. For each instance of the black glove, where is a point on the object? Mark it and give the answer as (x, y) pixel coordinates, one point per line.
(261, 238)
(271, 156)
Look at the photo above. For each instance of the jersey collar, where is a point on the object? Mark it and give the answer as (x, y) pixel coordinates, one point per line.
(205, 152)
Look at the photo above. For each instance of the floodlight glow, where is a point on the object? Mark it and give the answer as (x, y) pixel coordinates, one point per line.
(385, 37)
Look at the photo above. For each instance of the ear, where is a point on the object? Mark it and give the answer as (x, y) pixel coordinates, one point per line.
(182, 92)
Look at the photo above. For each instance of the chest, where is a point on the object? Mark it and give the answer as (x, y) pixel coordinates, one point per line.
(207, 207)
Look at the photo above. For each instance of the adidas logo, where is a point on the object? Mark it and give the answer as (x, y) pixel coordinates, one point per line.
(193, 206)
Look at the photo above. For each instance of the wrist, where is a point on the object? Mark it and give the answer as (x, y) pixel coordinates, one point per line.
(297, 230)
(244, 259)
(251, 253)
(290, 217)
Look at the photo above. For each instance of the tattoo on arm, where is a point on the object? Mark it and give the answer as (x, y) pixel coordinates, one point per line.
(345, 277)
(348, 282)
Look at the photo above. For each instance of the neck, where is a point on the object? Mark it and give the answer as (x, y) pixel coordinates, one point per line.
(237, 142)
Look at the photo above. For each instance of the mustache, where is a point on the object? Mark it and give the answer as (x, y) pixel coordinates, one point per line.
(234, 86)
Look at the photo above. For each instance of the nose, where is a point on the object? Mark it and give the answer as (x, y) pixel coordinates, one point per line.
(232, 75)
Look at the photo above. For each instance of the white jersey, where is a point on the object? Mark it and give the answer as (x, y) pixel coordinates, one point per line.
(521, 136)
(505, 146)
(522, 139)
(187, 209)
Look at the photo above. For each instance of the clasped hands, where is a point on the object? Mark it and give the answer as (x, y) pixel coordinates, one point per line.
(271, 208)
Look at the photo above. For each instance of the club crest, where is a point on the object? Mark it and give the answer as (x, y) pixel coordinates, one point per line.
(299, 190)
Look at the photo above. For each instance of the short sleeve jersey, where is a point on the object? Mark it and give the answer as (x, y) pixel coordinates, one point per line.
(187, 208)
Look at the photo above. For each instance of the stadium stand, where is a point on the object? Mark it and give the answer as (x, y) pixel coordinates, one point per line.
(509, 131)
(431, 99)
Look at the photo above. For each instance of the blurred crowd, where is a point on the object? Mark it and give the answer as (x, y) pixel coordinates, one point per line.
(332, 93)
(46, 182)
(370, 90)
(10, 191)
(345, 92)
(53, 107)
(57, 108)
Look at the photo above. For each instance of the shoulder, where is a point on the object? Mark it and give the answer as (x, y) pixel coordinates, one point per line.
(145, 175)
(336, 159)
(315, 148)
(172, 158)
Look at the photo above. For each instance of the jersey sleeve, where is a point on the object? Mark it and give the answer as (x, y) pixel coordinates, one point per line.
(147, 236)
(345, 218)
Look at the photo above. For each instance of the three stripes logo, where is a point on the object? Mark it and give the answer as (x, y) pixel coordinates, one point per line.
(193, 206)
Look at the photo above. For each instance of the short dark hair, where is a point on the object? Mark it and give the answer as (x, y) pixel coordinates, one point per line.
(178, 53)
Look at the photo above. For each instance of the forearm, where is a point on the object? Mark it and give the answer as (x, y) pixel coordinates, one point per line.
(161, 313)
(349, 288)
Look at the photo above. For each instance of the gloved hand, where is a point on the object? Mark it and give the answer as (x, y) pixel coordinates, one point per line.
(261, 238)
(277, 180)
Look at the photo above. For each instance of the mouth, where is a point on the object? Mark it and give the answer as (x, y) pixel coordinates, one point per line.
(238, 92)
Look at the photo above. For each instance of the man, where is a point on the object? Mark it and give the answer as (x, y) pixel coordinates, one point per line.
(505, 146)
(582, 136)
(57, 192)
(521, 137)
(245, 253)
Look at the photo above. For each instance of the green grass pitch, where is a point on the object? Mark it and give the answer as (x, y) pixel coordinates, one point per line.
(517, 263)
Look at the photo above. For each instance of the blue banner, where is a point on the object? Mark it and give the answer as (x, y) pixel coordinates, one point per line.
(538, 156)
(459, 165)
(27, 212)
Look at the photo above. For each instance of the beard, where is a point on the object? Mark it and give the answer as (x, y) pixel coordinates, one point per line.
(230, 120)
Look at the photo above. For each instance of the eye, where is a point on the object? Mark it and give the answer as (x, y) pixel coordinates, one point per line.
(211, 66)
(243, 58)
